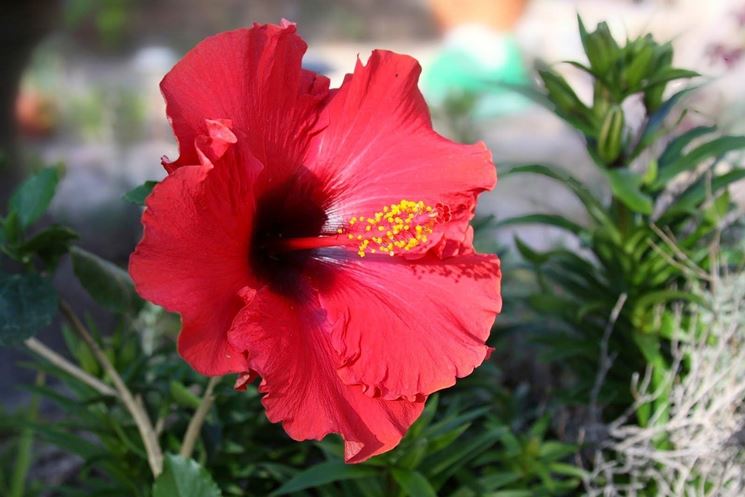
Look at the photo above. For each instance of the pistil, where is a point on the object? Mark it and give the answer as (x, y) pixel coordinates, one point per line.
(396, 228)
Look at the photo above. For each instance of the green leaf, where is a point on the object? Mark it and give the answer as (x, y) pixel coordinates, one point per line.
(639, 66)
(547, 219)
(665, 296)
(322, 474)
(692, 197)
(183, 396)
(108, 284)
(138, 195)
(714, 148)
(31, 200)
(28, 303)
(568, 470)
(511, 493)
(12, 229)
(530, 255)
(625, 185)
(594, 207)
(184, 478)
(554, 450)
(566, 103)
(499, 479)
(50, 244)
(667, 75)
(675, 148)
(441, 465)
(657, 119)
(413, 483)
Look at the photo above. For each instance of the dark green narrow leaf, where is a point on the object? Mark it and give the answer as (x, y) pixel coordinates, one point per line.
(656, 120)
(108, 284)
(138, 195)
(33, 196)
(547, 219)
(28, 303)
(709, 150)
(413, 483)
(529, 254)
(184, 478)
(594, 207)
(675, 148)
(322, 474)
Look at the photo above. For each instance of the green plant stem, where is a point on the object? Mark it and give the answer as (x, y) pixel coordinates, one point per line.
(137, 411)
(25, 444)
(196, 422)
(57, 360)
(623, 216)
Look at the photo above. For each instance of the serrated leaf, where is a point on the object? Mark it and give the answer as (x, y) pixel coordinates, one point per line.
(413, 483)
(625, 185)
(31, 200)
(28, 303)
(107, 283)
(184, 478)
(138, 195)
(322, 474)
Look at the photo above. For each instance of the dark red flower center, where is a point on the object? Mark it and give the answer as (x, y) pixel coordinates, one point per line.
(292, 224)
(294, 208)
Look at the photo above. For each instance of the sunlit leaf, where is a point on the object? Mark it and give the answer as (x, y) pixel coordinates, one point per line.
(184, 478)
(413, 483)
(625, 185)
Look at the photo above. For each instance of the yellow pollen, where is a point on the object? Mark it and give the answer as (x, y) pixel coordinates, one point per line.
(394, 229)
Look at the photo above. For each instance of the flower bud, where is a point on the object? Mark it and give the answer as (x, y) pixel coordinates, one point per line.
(610, 139)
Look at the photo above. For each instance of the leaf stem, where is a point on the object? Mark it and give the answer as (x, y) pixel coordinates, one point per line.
(138, 412)
(196, 422)
(57, 360)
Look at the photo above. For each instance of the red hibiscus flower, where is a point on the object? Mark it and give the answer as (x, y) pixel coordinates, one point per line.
(318, 238)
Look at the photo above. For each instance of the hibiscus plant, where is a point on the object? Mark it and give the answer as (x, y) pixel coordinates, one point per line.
(307, 268)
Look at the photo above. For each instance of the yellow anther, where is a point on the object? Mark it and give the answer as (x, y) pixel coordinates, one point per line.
(400, 227)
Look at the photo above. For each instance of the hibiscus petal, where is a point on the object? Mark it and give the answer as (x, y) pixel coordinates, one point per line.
(410, 328)
(254, 78)
(379, 147)
(193, 257)
(287, 346)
